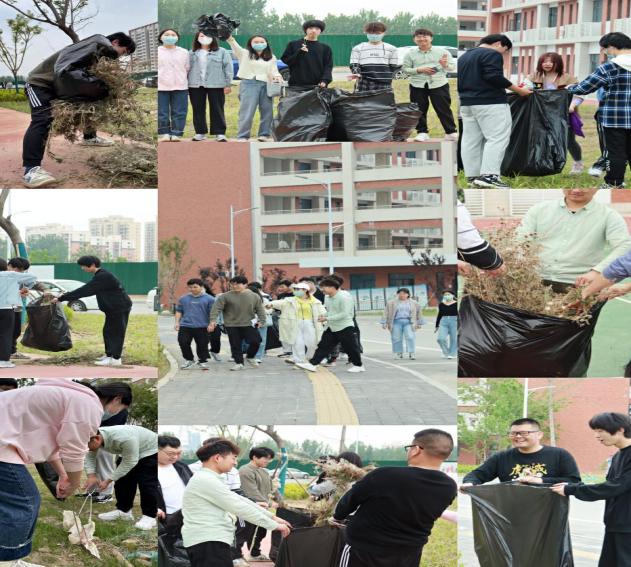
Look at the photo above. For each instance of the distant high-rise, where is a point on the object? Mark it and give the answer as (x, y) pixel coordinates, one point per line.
(145, 58)
(116, 225)
(151, 242)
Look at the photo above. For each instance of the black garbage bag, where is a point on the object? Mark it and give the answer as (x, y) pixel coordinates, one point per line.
(538, 142)
(47, 327)
(408, 114)
(516, 525)
(500, 341)
(362, 116)
(297, 518)
(302, 116)
(216, 25)
(273, 338)
(311, 547)
(171, 552)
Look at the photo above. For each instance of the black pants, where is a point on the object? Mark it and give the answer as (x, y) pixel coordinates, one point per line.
(328, 341)
(7, 318)
(240, 537)
(215, 340)
(618, 143)
(236, 336)
(17, 331)
(114, 330)
(253, 536)
(144, 478)
(601, 162)
(186, 335)
(210, 554)
(616, 550)
(572, 145)
(216, 101)
(353, 557)
(441, 101)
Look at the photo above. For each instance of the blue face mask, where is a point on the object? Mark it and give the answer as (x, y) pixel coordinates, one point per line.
(169, 39)
(259, 46)
(374, 36)
(448, 297)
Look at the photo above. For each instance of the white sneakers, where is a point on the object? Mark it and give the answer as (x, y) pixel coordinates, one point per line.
(37, 177)
(96, 142)
(6, 364)
(188, 364)
(307, 366)
(164, 138)
(354, 369)
(199, 137)
(116, 515)
(237, 367)
(19, 563)
(109, 361)
(252, 362)
(422, 137)
(453, 137)
(146, 523)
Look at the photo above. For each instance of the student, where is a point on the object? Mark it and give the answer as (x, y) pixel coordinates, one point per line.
(257, 68)
(112, 300)
(310, 62)
(600, 165)
(313, 288)
(373, 62)
(173, 476)
(611, 430)
(447, 325)
(173, 66)
(427, 68)
(403, 317)
(192, 323)
(283, 290)
(215, 336)
(40, 89)
(209, 79)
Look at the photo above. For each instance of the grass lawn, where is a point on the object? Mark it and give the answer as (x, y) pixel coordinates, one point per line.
(442, 548)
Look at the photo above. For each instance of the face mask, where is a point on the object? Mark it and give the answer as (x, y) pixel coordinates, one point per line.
(299, 292)
(447, 297)
(107, 414)
(205, 40)
(169, 39)
(259, 46)
(374, 36)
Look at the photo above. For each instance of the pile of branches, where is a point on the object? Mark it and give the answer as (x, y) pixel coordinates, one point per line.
(126, 164)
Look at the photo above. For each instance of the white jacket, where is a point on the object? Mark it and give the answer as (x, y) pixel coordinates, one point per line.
(289, 317)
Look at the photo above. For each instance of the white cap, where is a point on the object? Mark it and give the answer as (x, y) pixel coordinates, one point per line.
(301, 285)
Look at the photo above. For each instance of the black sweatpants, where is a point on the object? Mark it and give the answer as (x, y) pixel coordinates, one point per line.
(328, 341)
(215, 340)
(17, 331)
(7, 319)
(216, 101)
(616, 550)
(441, 101)
(601, 162)
(253, 536)
(114, 330)
(186, 335)
(236, 336)
(240, 537)
(618, 144)
(353, 557)
(144, 478)
(210, 554)
(573, 147)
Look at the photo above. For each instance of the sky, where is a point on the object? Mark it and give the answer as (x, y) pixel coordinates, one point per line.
(113, 16)
(320, 8)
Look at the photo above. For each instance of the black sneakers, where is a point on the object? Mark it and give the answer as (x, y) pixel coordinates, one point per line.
(490, 182)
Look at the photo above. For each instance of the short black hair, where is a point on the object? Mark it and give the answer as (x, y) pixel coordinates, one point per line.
(423, 31)
(218, 446)
(259, 452)
(9, 382)
(307, 279)
(313, 24)
(107, 391)
(286, 283)
(330, 282)
(19, 263)
(611, 422)
(195, 281)
(239, 280)
(124, 41)
(404, 290)
(494, 38)
(166, 30)
(338, 278)
(615, 39)
(88, 261)
(350, 457)
(435, 442)
(526, 421)
(256, 285)
(168, 441)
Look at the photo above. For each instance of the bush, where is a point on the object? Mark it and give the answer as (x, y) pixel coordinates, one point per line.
(464, 469)
(7, 95)
(294, 492)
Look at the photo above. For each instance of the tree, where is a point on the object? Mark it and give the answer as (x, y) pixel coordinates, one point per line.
(12, 54)
(425, 257)
(6, 224)
(47, 249)
(272, 278)
(144, 409)
(220, 274)
(173, 265)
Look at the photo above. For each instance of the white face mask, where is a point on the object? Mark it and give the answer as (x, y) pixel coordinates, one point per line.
(205, 40)
(299, 292)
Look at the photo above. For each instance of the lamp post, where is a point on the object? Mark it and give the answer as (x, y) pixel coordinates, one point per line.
(233, 214)
(549, 387)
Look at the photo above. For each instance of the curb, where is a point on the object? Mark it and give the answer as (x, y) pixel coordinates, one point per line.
(173, 369)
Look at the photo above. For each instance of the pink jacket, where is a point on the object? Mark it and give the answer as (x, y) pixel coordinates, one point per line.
(53, 419)
(173, 66)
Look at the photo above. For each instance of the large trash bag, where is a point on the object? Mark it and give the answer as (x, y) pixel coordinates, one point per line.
(216, 25)
(311, 547)
(297, 518)
(171, 552)
(516, 525)
(500, 341)
(408, 114)
(538, 142)
(47, 327)
(362, 116)
(302, 116)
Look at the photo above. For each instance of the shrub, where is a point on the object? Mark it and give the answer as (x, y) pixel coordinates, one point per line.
(7, 95)
(294, 492)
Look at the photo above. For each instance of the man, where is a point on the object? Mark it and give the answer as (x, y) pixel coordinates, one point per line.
(374, 62)
(41, 89)
(7, 384)
(340, 308)
(473, 250)
(242, 312)
(215, 336)
(112, 299)
(192, 323)
(427, 68)
(209, 507)
(528, 461)
(578, 237)
(173, 476)
(611, 430)
(615, 110)
(137, 448)
(392, 510)
(486, 116)
(310, 62)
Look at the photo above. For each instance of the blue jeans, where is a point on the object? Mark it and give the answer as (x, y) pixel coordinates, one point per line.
(403, 330)
(172, 111)
(253, 94)
(261, 352)
(19, 507)
(448, 335)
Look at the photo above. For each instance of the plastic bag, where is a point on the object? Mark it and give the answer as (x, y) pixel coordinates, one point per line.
(171, 552)
(408, 115)
(297, 518)
(516, 525)
(47, 327)
(216, 25)
(311, 547)
(303, 116)
(538, 142)
(500, 341)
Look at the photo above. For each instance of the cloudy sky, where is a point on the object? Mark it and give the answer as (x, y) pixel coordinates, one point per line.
(390, 8)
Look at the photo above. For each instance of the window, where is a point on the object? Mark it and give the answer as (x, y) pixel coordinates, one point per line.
(552, 17)
(594, 61)
(400, 280)
(597, 11)
(363, 281)
(305, 204)
(514, 65)
(517, 22)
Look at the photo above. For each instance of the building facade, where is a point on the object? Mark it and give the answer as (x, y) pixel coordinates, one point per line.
(124, 227)
(145, 58)
(151, 242)
(473, 18)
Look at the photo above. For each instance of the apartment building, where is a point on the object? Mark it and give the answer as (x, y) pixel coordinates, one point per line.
(145, 58)
(473, 18)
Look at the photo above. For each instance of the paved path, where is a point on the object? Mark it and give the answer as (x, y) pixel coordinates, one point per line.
(76, 371)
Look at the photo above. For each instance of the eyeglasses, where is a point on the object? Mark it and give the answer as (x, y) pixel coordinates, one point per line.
(408, 447)
(171, 453)
(521, 433)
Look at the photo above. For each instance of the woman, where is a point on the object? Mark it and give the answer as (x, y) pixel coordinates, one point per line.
(299, 322)
(209, 78)
(324, 487)
(173, 67)
(447, 325)
(402, 317)
(257, 67)
(549, 75)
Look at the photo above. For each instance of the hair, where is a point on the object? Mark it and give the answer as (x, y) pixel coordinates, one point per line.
(286, 283)
(195, 281)
(313, 24)
(307, 279)
(526, 421)
(255, 289)
(162, 32)
(423, 31)
(107, 391)
(330, 282)
(557, 61)
(9, 382)
(337, 277)
(257, 285)
(494, 38)
(611, 422)
(375, 27)
(216, 446)
(352, 458)
(404, 290)
(435, 442)
(168, 441)
(124, 41)
(3, 265)
(239, 280)
(259, 452)
(266, 54)
(627, 370)
(19, 263)
(214, 46)
(88, 261)
(615, 39)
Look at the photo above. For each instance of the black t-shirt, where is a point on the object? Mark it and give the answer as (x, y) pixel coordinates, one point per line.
(308, 69)
(551, 464)
(395, 508)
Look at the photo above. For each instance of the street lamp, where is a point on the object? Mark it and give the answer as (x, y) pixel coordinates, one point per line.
(233, 214)
(549, 387)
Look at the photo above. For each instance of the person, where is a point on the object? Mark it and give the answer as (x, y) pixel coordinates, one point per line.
(7, 384)
(549, 75)
(283, 290)
(215, 336)
(256, 287)
(192, 323)
(447, 325)
(486, 117)
(392, 510)
(309, 60)
(611, 430)
(173, 476)
(618, 270)
(41, 92)
(300, 324)
(528, 461)
(209, 506)
(374, 62)
(615, 111)
(324, 487)
(173, 67)
(314, 290)
(340, 310)
(600, 165)
(209, 78)
(242, 311)
(403, 316)
(112, 300)
(257, 67)
(597, 234)
(427, 69)
(137, 448)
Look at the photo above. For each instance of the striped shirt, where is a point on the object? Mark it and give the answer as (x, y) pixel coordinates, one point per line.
(374, 62)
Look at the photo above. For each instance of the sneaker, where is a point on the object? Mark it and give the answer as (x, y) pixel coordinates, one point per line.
(221, 138)
(116, 515)
(471, 182)
(577, 168)
(595, 171)
(412, 356)
(261, 557)
(97, 142)
(328, 364)
(450, 356)
(243, 139)
(290, 361)
(453, 137)
(115, 362)
(188, 365)
(265, 139)
(175, 138)
(354, 369)
(240, 562)
(216, 357)
(422, 137)
(6, 364)
(102, 357)
(19, 356)
(203, 365)
(146, 523)
(199, 137)
(237, 367)
(490, 182)
(307, 366)
(284, 354)
(102, 498)
(253, 362)
(398, 355)
(164, 138)
(606, 185)
(109, 361)
(20, 563)
(37, 177)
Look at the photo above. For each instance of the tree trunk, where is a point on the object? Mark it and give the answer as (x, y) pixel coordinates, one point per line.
(6, 224)
(15, 83)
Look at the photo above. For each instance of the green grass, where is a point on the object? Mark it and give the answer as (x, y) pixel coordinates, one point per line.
(442, 548)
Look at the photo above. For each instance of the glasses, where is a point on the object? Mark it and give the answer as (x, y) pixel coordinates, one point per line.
(171, 453)
(408, 447)
(522, 433)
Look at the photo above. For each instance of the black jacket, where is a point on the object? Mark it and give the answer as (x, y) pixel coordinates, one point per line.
(184, 472)
(308, 69)
(481, 77)
(110, 294)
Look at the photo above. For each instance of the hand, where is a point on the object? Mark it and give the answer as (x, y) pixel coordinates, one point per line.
(322, 84)
(586, 278)
(284, 522)
(284, 530)
(209, 329)
(464, 486)
(212, 327)
(227, 90)
(161, 515)
(91, 482)
(572, 108)
(304, 48)
(559, 488)
(177, 326)
(425, 71)
(322, 318)
(354, 77)
(277, 79)
(54, 300)
(444, 61)
(104, 484)
(497, 271)
(522, 91)
(64, 487)
(263, 504)
(24, 292)
(464, 269)
(531, 479)
(617, 290)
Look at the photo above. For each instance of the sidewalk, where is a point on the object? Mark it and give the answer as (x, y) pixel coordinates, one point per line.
(76, 371)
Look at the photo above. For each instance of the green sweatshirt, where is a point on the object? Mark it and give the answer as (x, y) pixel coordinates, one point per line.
(238, 309)
(256, 482)
(340, 310)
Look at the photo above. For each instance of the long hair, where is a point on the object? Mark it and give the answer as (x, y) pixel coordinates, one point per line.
(266, 54)
(557, 62)
(214, 46)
